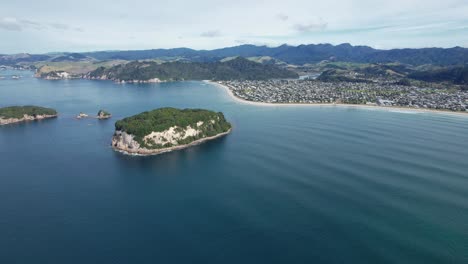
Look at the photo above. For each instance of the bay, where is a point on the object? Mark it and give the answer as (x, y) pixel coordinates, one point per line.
(289, 184)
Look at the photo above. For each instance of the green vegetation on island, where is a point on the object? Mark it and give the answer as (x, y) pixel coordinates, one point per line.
(201, 123)
(238, 69)
(103, 114)
(20, 111)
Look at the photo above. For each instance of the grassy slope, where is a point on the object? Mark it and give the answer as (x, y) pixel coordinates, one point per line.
(80, 67)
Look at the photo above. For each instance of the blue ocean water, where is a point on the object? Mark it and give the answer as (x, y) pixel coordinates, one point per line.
(288, 185)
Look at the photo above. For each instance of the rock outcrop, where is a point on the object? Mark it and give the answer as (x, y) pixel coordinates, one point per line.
(81, 115)
(6, 121)
(154, 80)
(103, 114)
(126, 143)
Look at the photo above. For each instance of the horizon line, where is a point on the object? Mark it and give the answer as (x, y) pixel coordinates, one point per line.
(227, 47)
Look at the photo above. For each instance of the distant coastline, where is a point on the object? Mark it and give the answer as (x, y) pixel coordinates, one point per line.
(389, 108)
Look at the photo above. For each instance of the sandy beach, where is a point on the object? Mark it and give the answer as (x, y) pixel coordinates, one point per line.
(388, 108)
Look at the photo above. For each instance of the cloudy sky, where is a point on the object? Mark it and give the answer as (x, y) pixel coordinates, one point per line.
(85, 25)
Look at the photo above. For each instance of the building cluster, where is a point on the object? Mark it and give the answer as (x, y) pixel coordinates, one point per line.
(375, 93)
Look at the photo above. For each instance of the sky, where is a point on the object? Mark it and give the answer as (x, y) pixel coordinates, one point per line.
(91, 25)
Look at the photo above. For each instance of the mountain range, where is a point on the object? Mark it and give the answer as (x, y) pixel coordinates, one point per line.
(303, 54)
(298, 55)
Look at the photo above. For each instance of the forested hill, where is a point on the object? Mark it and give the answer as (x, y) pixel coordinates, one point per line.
(456, 75)
(238, 69)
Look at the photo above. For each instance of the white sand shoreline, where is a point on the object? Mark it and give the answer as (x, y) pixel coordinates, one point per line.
(388, 108)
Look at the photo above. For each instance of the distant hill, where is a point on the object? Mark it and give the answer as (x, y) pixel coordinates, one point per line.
(23, 57)
(71, 57)
(303, 54)
(339, 76)
(146, 54)
(401, 74)
(385, 70)
(456, 75)
(31, 58)
(239, 69)
(299, 55)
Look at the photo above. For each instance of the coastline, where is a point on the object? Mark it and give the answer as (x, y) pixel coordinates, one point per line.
(93, 117)
(151, 152)
(26, 118)
(388, 108)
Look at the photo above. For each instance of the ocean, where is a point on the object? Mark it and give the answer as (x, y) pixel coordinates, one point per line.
(292, 184)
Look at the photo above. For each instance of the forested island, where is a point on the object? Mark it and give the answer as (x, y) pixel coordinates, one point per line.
(16, 114)
(166, 129)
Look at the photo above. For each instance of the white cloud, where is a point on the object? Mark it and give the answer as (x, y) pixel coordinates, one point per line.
(16, 24)
(211, 34)
(59, 26)
(11, 24)
(282, 17)
(31, 24)
(309, 27)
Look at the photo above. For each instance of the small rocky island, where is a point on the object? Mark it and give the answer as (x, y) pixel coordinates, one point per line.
(167, 129)
(102, 114)
(81, 115)
(16, 114)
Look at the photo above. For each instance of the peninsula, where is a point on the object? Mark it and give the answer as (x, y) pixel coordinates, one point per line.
(152, 72)
(237, 68)
(167, 129)
(16, 114)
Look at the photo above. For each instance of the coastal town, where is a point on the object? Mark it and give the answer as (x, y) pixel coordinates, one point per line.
(373, 93)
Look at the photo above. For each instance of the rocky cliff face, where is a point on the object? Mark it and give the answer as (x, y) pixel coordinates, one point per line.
(6, 121)
(109, 77)
(103, 115)
(170, 137)
(125, 142)
(159, 142)
(154, 80)
(57, 75)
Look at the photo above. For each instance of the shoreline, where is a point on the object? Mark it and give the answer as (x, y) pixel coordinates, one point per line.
(388, 108)
(152, 152)
(10, 121)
